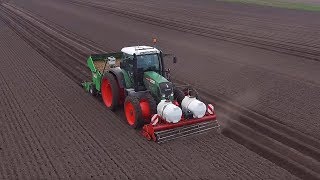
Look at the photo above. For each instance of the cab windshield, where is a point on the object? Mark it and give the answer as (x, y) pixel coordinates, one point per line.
(148, 62)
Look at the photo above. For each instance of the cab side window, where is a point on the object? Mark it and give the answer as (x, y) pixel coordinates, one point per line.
(127, 62)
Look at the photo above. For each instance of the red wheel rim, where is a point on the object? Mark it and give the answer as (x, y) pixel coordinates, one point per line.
(130, 113)
(145, 108)
(106, 92)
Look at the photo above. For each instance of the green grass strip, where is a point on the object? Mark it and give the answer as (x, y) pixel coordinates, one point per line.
(280, 4)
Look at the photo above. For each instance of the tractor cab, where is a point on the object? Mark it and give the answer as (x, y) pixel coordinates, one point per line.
(143, 58)
(137, 60)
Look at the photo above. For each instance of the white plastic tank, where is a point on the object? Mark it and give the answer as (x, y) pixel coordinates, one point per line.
(197, 108)
(168, 111)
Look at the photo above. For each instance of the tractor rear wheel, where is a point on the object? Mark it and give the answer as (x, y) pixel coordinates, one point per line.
(110, 91)
(133, 112)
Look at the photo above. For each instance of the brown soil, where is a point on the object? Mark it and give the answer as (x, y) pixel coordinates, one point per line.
(268, 79)
(51, 128)
(283, 86)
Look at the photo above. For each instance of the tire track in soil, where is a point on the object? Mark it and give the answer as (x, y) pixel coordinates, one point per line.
(243, 124)
(26, 144)
(71, 128)
(279, 46)
(271, 28)
(52, 100)
(233, 17)
(80, 131)
(24, 127)
(50, 126)
(58, 53)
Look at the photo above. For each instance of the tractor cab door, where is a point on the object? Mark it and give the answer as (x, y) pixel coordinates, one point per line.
(127, 67)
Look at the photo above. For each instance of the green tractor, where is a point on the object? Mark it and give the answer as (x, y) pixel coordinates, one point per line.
(136, 79)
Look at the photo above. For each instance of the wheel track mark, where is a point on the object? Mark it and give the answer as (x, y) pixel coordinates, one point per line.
(14, 126)
(226, 104)
(68, 35)
(2, 144)
(78, 39)
(209, 13)
(207, 33)
(36, 155)
(59, 65)
(226, 18)
(13, 115)
(7, 171)
(268, 120)
(19, 105)
(40, 80)
(206, 148)
(49, 31)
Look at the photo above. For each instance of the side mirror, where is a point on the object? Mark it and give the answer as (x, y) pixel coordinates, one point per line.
(174, 59)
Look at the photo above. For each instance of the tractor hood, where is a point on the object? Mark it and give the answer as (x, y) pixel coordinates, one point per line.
(158, 85)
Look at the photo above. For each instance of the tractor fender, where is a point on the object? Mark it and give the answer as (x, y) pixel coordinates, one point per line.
(118, 75)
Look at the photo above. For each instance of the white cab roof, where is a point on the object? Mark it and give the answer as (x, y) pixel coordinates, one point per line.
(138, 50)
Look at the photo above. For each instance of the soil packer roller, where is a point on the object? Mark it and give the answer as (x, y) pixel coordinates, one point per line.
(136, 79)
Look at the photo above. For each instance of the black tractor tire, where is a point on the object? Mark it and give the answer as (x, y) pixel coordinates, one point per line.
(178, 95)
(133, 112)
(152, 103)
(110, 91)
(92, 90)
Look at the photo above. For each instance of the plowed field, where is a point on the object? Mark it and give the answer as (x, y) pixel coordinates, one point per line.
(260, 68)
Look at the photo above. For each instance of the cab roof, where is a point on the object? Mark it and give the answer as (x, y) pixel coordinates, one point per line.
(139, 50)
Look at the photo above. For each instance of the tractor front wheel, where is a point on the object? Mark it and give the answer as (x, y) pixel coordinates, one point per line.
(133, 112)
(110, 91)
